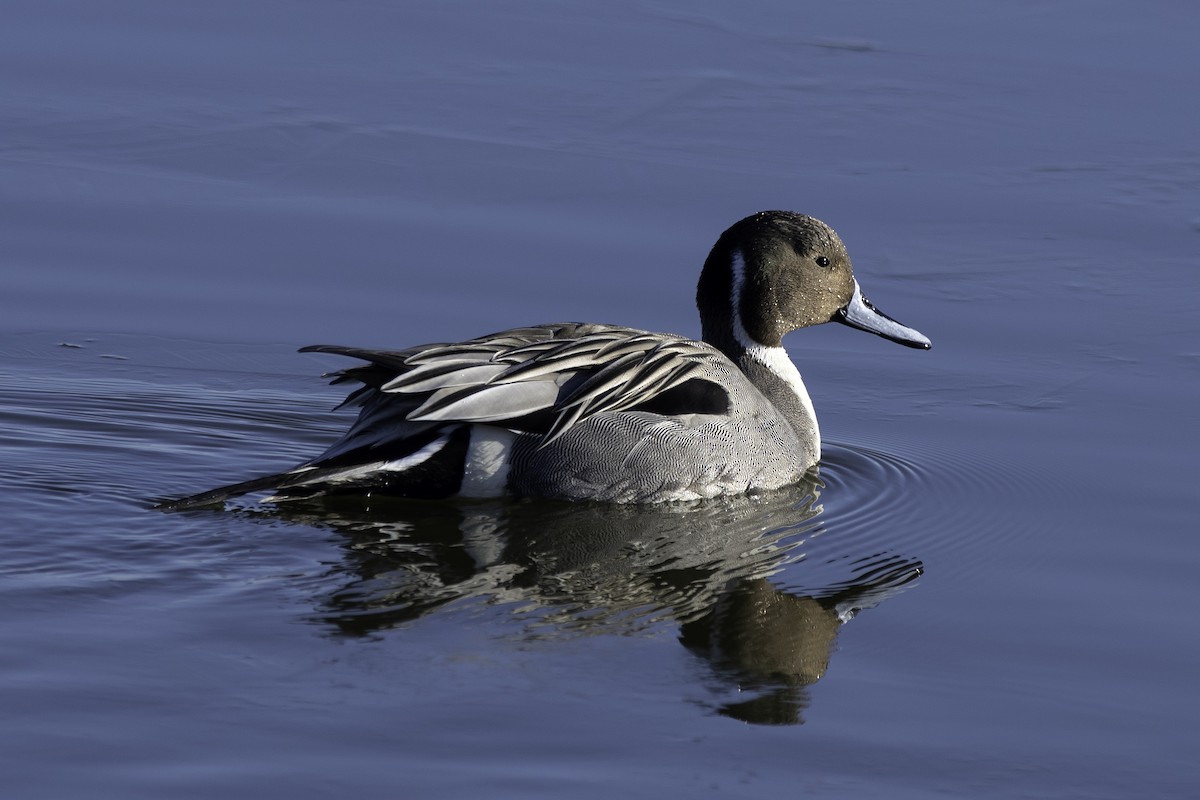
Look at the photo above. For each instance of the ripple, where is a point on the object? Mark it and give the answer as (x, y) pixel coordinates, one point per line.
(934, 501)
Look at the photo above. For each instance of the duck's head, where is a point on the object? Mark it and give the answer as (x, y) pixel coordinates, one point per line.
(776, 271)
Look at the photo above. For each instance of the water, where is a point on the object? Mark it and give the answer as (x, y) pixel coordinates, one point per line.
(988, 590)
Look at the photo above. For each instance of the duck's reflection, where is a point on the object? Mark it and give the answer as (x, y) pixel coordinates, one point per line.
(571, 568)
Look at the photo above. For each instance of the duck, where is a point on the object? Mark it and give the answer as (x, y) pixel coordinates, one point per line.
(595, 412)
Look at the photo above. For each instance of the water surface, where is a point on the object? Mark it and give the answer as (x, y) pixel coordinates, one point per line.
(988, 589)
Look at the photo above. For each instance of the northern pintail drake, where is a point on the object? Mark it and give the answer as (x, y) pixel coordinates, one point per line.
(583, 411)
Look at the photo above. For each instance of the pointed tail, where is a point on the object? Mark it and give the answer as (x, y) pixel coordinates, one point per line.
(222, 493)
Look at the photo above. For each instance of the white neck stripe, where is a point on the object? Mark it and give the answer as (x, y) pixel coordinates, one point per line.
(774, 359)
(737, 279)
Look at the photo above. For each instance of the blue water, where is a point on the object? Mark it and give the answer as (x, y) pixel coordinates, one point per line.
(988, 591)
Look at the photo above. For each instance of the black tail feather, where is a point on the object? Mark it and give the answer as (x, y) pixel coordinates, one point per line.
(222, 493)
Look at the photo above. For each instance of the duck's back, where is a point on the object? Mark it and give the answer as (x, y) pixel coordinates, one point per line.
(567, 410)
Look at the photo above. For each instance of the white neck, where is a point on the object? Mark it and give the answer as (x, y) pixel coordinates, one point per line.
(774, 359)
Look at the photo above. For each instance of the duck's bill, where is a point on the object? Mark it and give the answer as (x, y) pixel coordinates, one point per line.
(859, 313)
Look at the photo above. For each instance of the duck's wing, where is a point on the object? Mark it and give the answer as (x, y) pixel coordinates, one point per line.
(541, 379)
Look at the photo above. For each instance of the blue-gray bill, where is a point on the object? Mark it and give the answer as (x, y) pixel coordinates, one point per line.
(859, 313)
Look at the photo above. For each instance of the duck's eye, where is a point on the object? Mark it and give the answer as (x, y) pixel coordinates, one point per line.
(822, 261)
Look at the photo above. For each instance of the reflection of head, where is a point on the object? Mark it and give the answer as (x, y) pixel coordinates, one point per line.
(760, 632)
(766, 640)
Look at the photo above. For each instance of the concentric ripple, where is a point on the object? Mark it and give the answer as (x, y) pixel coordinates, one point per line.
(935, 503)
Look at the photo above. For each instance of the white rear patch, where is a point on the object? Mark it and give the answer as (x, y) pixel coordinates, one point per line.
(488, 454)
